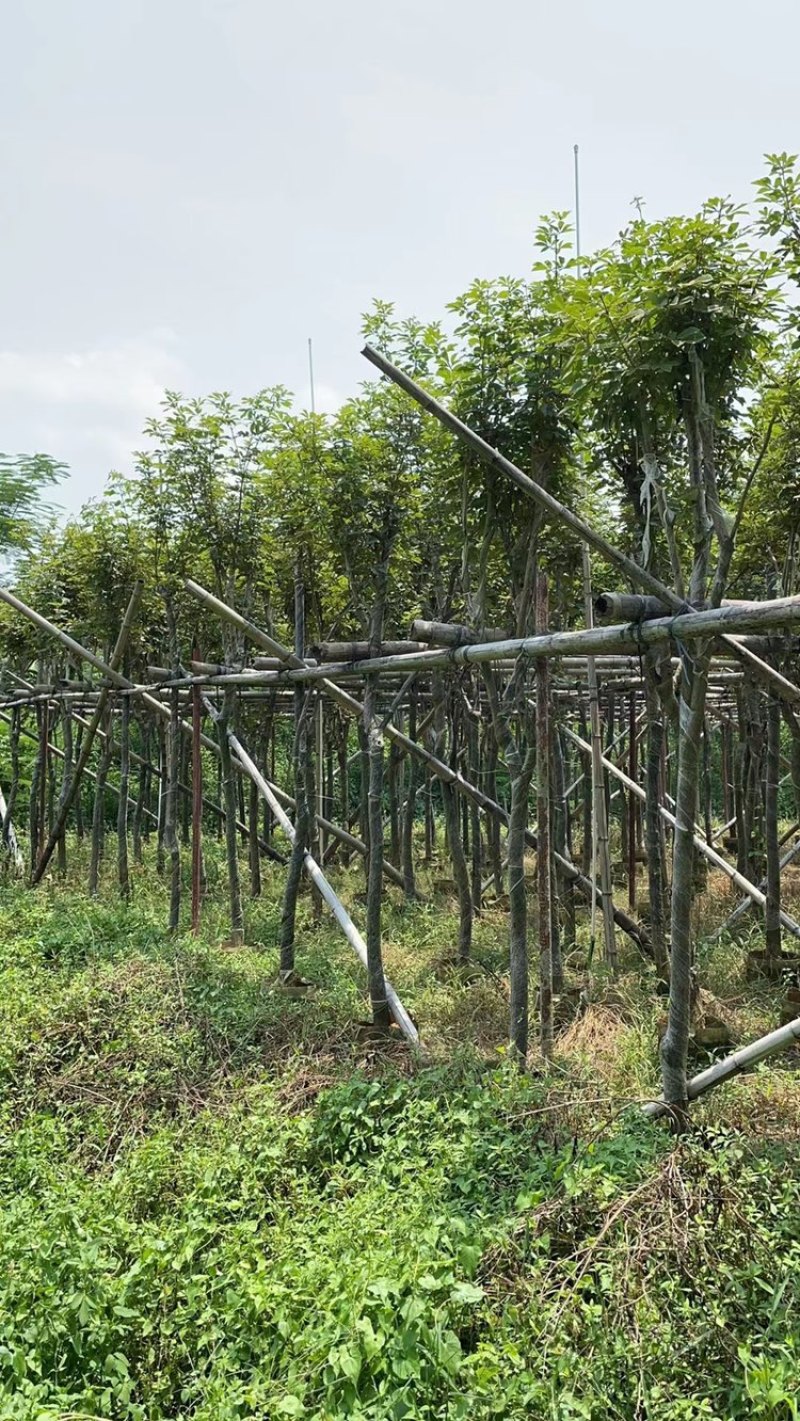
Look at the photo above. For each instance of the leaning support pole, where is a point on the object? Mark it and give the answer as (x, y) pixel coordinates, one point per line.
(639, 576)
(732, 1065)
(319, 880)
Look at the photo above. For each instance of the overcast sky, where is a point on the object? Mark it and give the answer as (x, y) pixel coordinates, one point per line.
(192, 188)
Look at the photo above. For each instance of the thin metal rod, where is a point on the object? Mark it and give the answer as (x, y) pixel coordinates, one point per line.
(577, 210)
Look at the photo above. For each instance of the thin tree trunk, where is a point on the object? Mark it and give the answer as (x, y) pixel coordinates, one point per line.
(142, 792)
(66, 788)
(675, 1044)
(599, 801)
(374, 740)
(564, 889)
(653, 835)
(13, 788)
(407, 831)
(123, 875)
(253, 847)
(543, 867)
(302, 816)
(170, 800)
(230, 794)
(452, 821)
(771, 789)
(99, 813)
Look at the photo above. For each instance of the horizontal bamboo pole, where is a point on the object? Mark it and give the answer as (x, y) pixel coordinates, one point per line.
(453, 633)
(359, 650)
(628, 607)
(629, 638)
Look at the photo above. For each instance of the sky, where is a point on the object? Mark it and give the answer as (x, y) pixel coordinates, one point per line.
(190, 189)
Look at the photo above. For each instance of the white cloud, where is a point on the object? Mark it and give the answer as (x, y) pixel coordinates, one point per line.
(130, 375)
(326, 399)
(86, 407)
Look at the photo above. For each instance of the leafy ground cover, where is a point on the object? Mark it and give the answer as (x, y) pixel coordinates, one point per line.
(219, 1202)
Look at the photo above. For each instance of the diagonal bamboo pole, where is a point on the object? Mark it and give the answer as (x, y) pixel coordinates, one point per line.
(732, 1065)
(639, 576)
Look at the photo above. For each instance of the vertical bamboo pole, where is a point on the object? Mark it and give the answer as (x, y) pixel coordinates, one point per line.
(197, 800)
(543, 870)
(123, 872)
(633, 808)
(771, 788)
(601, 860)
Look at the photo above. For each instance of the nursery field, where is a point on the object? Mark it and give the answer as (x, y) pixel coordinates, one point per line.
(221, 1200)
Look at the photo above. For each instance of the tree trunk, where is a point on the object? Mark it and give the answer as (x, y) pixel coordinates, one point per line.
(231, 800)
(13, 789)
(543, 867)
(653, 835)
(302, 813)
(675, 1045)
(99, 813)
(170, 799)
(407, 829)
(518, 907)
(142, 792)
(771, 791)
(123, 875)
(373, 736)
(68, 768)
(253, 847)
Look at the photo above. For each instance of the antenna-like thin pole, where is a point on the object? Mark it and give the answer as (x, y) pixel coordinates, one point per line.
(577, 211)
(311, 374)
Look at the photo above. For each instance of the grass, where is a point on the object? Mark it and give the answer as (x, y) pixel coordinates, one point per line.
(218, 1202)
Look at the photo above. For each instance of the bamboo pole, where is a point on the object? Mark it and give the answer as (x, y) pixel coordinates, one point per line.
(600, 855)
(640, 576)
(629, 638)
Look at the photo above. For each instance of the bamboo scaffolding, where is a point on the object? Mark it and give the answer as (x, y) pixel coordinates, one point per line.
(437, 767)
